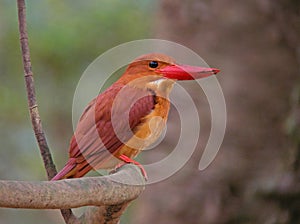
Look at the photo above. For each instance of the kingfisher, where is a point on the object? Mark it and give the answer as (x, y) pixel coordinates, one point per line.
(128, 116)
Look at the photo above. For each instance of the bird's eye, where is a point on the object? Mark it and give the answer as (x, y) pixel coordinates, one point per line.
(153, 64)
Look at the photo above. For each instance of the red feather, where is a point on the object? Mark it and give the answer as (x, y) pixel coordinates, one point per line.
(88, 147)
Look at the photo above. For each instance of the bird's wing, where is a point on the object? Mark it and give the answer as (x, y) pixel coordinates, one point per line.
(108, 121)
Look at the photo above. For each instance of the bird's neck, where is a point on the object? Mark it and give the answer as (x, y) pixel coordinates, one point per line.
(159, 85)
(162, 87)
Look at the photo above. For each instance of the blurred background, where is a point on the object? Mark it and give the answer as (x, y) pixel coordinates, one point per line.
(255, 43)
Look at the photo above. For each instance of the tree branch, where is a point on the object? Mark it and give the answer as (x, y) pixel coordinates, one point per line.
(110, 214)
(112, 190)
(32, 102)
(33, 106)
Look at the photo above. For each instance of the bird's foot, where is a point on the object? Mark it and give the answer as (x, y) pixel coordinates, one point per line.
(126, 159)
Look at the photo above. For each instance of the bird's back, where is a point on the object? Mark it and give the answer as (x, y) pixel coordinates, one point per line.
(109, 121)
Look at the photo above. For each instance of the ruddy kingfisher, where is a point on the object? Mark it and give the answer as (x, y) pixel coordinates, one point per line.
(127, 117)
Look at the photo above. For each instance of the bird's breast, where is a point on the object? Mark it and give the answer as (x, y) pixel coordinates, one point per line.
(149, 129)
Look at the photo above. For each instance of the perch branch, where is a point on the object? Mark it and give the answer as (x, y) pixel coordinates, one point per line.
(112, 190)
(32, 103)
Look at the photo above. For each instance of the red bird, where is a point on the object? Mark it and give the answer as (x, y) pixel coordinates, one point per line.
(128, 116)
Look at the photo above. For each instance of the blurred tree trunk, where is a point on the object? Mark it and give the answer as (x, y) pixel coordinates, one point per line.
(256, 44)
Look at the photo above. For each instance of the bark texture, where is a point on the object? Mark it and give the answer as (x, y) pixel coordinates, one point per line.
(109, 194)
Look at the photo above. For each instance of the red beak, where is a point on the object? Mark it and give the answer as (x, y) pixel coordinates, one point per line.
(186, 72)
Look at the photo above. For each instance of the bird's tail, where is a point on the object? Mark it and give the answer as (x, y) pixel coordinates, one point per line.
(68, 170)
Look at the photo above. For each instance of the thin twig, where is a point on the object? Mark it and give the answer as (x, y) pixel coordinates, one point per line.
(32, 103)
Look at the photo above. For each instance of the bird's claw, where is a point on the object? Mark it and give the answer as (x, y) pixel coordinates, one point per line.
(126, 159)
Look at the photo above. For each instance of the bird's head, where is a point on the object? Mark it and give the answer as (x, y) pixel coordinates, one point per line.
(159, 72)
(157, 66)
